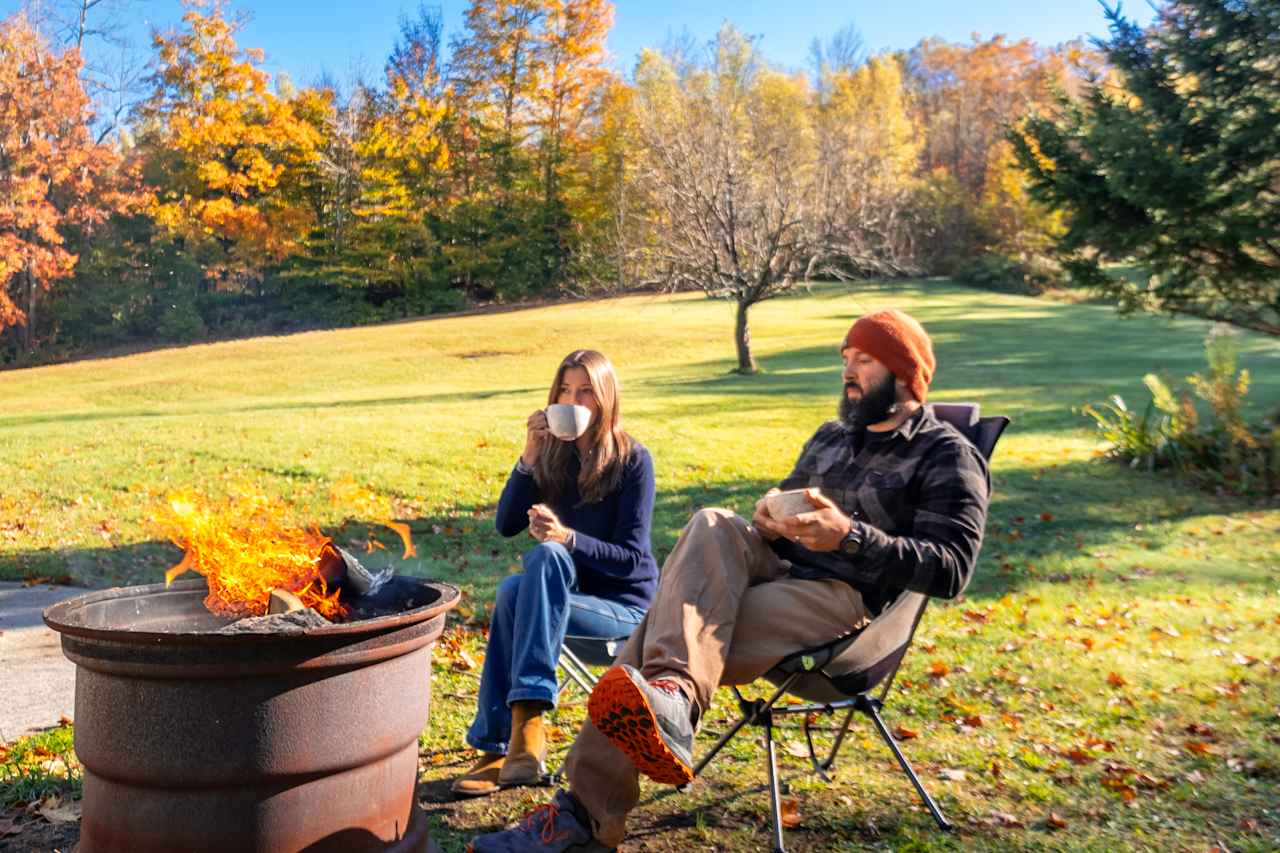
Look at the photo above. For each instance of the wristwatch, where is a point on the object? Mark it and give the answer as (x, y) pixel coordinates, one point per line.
(851, 544)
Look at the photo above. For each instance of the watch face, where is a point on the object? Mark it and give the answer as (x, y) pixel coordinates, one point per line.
(850, 544)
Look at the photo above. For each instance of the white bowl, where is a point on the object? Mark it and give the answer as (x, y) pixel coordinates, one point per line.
(786, 504)
(567, 422)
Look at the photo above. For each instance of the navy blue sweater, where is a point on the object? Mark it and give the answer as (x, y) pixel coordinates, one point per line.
(611, 548)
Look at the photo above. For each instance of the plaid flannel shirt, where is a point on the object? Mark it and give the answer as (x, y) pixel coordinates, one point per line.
(918, 492)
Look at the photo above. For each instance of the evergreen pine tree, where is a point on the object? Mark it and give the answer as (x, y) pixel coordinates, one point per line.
(1177, 169)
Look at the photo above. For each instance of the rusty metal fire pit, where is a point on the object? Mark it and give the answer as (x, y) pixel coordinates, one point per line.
(194, 741)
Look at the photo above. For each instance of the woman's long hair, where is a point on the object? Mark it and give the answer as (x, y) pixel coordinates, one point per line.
(601, 470)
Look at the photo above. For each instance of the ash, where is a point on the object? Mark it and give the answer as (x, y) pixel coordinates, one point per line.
(277, 623)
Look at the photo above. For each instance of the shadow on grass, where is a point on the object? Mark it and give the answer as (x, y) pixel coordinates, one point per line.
(1039, 516)
(284, 406)
(1076, 355)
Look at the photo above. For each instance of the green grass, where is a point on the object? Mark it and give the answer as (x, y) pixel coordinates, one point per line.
(1089, 569)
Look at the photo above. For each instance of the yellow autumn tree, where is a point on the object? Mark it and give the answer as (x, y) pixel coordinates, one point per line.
(230, 156)
(404, 160)
(869, 148)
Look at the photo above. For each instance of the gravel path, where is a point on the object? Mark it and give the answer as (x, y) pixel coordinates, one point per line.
(37, 684)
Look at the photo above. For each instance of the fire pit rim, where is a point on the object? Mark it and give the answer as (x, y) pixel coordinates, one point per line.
(60, 618)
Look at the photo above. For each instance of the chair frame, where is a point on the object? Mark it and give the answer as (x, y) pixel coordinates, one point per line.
(760, 713)
(579, 654)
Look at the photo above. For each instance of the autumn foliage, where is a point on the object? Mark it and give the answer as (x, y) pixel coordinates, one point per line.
(510, 161)
(56, 183)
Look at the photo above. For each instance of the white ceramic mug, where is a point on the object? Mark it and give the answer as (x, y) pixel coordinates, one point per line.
(786, 504)
(566, 421)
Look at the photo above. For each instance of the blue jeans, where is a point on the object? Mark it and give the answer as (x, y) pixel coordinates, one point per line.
(534, 612)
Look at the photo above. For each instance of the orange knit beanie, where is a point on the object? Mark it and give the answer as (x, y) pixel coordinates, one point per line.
(900, 343)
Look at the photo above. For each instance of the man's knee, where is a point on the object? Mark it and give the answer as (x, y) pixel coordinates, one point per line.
(714, 520)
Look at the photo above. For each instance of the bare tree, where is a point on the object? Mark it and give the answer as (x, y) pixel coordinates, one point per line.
(114, 70)
(748, 180)
(726, 171)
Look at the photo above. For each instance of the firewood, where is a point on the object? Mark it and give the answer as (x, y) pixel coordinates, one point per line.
(283, 601)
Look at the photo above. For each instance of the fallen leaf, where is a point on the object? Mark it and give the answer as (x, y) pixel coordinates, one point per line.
(1199, 747)
(938, 669)
(794, 748)
(790, 808)
(1046, 516)
(904, 733)
(1079, 756)
(1055, 821)
(1006, 819)
(1115, 679)
(951, 774)
(1201, 729)
(54, 810)
(64, 720)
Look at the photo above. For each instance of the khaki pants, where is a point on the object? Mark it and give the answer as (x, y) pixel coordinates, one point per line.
(725, 613)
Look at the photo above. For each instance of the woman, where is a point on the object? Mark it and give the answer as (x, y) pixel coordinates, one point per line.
(589, 503)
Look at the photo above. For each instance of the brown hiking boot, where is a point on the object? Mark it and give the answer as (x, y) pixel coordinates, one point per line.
(482, 779)
(528, 748)
(650, 721)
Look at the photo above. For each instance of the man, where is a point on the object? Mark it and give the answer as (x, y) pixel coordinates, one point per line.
(899, 503)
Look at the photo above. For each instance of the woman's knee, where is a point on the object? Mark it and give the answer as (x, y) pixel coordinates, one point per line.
(508, 592)
(549, 561)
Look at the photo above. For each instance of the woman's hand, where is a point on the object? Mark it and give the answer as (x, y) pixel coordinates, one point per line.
(536, 432)
(545, 526)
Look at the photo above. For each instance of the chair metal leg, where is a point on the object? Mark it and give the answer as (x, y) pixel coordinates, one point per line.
(835, 747)
(751, 710)
(775, 796)
(870, 707)
(583, 680)
(578, 672)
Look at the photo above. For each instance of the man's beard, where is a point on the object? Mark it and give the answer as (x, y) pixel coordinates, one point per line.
(875, 405)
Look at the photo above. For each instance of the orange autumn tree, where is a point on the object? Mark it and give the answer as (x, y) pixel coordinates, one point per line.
(966, 97)
(56, 182)
(232, 156)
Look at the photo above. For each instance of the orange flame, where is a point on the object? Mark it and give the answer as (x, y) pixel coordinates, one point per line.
(245, 547)
(368, 504)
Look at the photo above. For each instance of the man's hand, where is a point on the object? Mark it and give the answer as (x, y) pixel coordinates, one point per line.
(545, 526)
(763, 522)
(818, 530)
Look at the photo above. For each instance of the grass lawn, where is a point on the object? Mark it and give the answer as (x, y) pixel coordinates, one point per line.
(1111, 680)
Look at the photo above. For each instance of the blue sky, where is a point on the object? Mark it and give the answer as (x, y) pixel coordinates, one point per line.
(302, 40)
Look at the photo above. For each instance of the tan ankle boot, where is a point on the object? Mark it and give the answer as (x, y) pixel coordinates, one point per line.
(528, 748)
(482, 778)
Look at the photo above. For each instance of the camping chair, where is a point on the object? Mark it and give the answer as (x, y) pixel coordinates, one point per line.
(840, 675)
(578, 654)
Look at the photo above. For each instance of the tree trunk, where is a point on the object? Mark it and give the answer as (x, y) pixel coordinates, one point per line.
(29, 330)
(742, 337)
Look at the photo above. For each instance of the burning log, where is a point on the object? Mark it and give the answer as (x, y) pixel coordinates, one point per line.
(283, 601)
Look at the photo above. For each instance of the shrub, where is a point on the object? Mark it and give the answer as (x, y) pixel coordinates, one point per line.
(1219, 450)
(994, 271)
